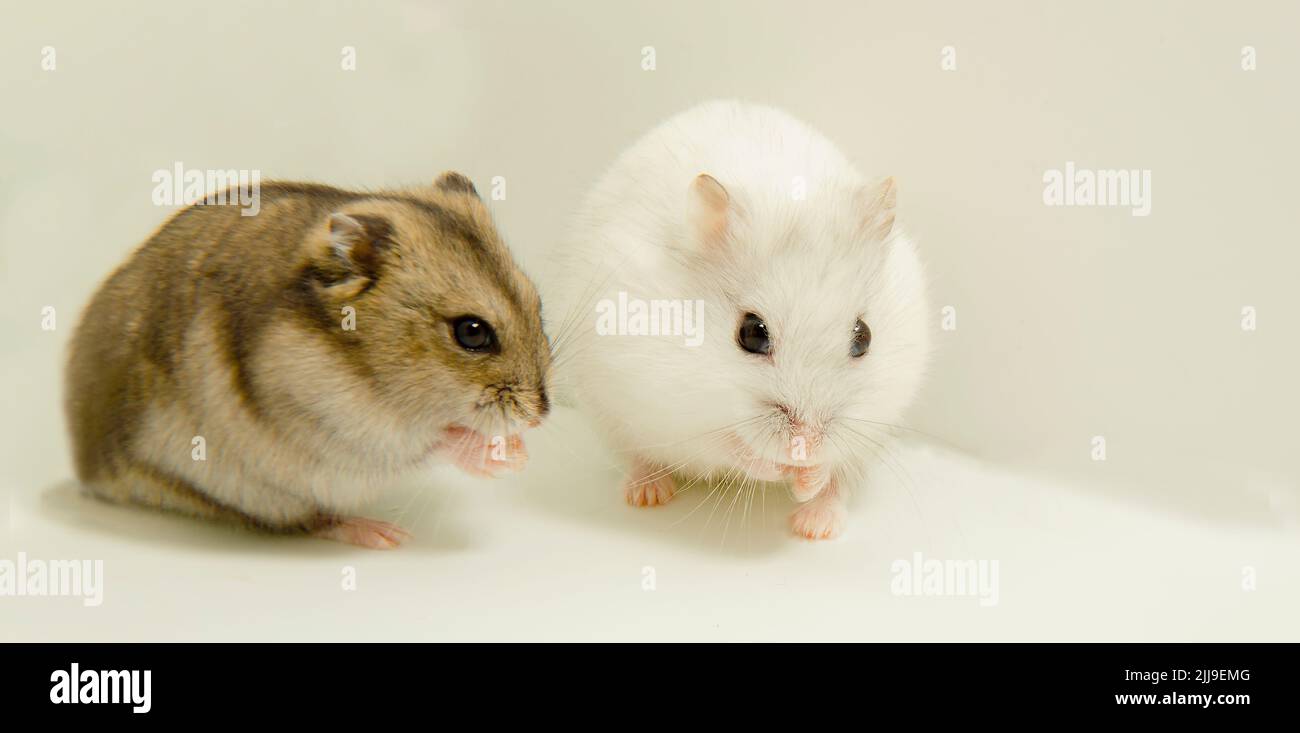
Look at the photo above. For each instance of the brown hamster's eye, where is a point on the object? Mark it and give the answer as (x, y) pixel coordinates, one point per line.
(474, 333)
(753, 336)
(861, 339)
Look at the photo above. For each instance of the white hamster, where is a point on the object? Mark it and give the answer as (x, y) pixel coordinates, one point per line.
(742, 309)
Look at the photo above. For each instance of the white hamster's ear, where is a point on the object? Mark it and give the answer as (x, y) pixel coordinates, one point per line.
(708, 209)
(876, 204)
(356, 244)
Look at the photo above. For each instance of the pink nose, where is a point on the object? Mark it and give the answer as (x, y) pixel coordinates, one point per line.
(789, 414)
(805, 438)
(798, 425)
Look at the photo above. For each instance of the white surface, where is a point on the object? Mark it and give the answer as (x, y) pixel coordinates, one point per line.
(553, 553)
(1073, 322)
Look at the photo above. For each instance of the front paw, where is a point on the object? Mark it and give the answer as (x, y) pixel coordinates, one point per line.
(480, 455)
(822, 518)
(754, 465)
(809, 481)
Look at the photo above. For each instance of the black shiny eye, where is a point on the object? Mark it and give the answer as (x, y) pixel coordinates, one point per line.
(753, 335)
(861, 339)
(474, 333)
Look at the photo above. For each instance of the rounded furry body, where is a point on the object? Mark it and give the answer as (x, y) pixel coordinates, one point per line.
(215, 372)
(744, 210)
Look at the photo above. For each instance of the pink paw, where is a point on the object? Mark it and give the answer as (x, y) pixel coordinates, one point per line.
(648, 487)
(361, 532)
(820, 519)
(754, 465)
(809, 481)
(479, 455)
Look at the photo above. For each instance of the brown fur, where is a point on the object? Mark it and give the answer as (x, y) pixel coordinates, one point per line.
(230, 328)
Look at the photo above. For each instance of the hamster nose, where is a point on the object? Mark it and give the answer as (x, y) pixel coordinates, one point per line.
(806, 437)
(795, 423)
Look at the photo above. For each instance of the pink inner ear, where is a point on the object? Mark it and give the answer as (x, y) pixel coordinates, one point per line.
(342, 225)
(710, 208)
(355, 240)
(345, 232)
(879, 202)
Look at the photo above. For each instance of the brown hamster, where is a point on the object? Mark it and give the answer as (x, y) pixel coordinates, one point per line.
(276, 369)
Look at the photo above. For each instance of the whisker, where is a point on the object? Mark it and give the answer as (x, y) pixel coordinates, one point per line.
(893, 426)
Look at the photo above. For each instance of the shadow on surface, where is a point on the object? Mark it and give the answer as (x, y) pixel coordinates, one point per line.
(68, 504)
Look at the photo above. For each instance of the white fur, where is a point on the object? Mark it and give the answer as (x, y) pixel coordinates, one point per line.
(804, 266)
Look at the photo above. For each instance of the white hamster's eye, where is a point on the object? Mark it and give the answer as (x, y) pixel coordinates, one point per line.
(753, 336)
(861, 339)
(474, 333)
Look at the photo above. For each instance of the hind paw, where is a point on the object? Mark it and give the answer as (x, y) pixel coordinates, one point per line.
(371, 533)
(646, 486)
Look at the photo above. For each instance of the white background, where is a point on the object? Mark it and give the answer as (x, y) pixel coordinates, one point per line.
(1072, 322)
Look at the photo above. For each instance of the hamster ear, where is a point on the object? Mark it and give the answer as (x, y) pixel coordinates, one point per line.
(708, 208)
(876, 204)
(455, 182)
(356, 244)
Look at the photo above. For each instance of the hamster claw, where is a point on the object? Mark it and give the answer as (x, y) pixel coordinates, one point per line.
(370, 533)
